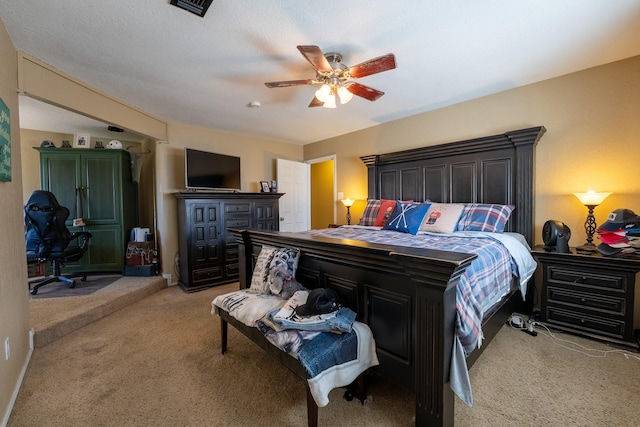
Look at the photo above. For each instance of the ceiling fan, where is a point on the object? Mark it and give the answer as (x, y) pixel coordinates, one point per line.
(338, 79)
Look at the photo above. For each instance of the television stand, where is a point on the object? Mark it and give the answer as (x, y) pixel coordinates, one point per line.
(208, 253)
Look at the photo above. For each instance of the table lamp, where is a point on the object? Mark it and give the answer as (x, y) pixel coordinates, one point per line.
(348, 203)
(590, 199)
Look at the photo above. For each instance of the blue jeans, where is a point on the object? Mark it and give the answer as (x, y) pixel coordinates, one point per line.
(340, 320)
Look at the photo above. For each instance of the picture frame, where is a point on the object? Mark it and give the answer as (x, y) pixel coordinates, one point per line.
(264, 187)
(81, 140)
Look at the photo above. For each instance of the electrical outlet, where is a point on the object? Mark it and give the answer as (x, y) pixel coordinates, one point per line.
(7, 349)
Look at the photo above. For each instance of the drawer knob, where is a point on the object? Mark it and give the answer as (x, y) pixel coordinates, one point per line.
(582, 321)
(583, 300)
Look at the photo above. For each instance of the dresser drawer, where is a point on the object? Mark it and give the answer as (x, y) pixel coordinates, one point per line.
(242, 221)
(240, 208)
(587, 278)
(610, 305)
(580, 321)
(233, 270)
(206, 274)
(231, 253)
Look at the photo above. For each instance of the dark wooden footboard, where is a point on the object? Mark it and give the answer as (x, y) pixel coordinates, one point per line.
(407, 297)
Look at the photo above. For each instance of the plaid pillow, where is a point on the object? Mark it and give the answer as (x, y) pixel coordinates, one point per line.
(370, 212)
(484, 217)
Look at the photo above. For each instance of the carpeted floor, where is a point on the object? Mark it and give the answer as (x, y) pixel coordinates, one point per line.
(157, 363)
(52, 318)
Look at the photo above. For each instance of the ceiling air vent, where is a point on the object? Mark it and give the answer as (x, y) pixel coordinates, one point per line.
(199, 7)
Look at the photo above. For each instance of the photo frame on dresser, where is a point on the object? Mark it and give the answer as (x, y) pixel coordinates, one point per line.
(81, 140)
(264, 187)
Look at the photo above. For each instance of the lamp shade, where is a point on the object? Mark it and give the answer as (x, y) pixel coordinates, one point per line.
(591, 198)
(348, 202)
(344, 94)
(323, 93)
(330, 102)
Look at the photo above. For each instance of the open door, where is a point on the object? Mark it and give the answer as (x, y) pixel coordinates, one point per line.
(293, 181)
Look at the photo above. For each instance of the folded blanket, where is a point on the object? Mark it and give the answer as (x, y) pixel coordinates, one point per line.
(330, 360)
(247, 306)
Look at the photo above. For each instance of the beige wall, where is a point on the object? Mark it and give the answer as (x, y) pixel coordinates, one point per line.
(258, 157)
(14, 296)
(593, 130)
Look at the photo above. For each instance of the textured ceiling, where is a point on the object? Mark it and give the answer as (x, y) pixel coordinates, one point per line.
(205, 71)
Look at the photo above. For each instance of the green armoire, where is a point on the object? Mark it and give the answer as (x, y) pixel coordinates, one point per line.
(97, 185)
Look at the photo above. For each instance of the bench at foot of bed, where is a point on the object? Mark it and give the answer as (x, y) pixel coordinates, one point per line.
(356, 389)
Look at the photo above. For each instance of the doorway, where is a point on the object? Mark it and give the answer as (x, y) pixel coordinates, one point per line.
(323, 202)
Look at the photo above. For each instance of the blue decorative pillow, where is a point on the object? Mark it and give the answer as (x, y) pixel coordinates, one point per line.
(407, 217)
(484, 217)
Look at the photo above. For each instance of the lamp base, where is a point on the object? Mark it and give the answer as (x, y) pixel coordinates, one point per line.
(586, 248)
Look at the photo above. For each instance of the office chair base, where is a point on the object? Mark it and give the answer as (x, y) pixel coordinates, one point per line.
(51, 279)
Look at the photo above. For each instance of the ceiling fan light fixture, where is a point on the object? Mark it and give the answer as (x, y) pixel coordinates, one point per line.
(323, 93)
(344, 94)
(330, 102)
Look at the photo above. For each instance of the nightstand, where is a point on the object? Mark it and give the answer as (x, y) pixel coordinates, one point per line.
(590, 295)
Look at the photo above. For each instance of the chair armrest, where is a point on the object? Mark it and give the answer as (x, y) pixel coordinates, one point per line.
(85, 236)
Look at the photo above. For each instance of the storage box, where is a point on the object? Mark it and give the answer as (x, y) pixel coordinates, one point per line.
(141, 270)
(140, 253)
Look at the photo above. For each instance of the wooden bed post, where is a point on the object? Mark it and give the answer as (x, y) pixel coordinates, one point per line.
(435, 314)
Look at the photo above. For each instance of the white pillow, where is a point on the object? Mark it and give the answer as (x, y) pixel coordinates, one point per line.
(442, 217)
(261, 270)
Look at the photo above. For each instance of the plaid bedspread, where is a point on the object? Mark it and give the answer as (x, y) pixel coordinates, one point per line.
(483, 283)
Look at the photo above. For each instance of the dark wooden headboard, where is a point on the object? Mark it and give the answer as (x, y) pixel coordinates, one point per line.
(492, 169)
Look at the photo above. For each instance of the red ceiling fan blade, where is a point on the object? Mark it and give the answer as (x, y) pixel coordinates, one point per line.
(373, 66)
(288, 83)
(315, 102)
(365, 92)
(315, 56)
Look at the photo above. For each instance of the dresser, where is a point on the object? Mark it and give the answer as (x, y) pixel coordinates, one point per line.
(590, 295)
(208, 254)
(97, 184)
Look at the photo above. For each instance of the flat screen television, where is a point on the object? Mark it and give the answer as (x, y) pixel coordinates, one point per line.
(211, 171)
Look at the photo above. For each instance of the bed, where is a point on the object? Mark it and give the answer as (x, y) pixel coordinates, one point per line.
(407, 295)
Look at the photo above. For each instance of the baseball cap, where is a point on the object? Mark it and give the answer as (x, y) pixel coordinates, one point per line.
(47, 144)
(319, 301)
(612, 238)
(607, 250)
(620, 218)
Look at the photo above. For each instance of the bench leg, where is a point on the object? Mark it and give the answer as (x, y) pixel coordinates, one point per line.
(223, 335)
(357, 389)
(312, 410)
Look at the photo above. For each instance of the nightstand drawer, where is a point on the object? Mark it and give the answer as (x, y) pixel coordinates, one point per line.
(587, 278)
(593, 324)
(584, 300)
